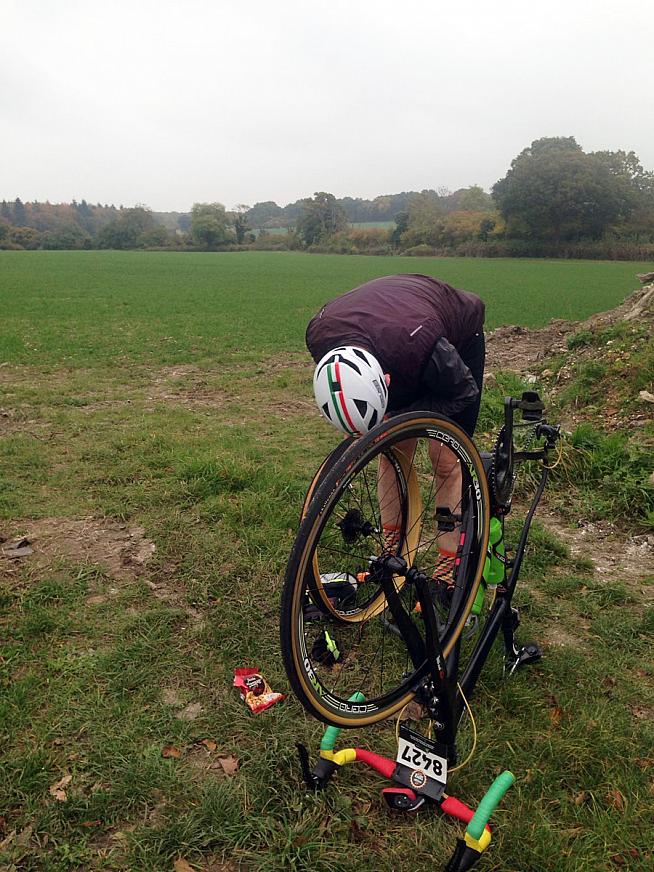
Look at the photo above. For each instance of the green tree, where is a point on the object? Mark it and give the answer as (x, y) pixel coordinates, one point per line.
(474, 199)
(68, 236)
(320, 218)
(126, 230)
(401, 224)
(239, 219)
(261, 213)
(156, 237)
(209, 225)
(555, 191)
(19, 218)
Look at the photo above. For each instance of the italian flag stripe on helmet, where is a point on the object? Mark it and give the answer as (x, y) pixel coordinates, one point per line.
(334, 378)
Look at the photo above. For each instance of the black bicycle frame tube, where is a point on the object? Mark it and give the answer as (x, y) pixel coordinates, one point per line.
(442, 688)
(500, 612)
(520, 551)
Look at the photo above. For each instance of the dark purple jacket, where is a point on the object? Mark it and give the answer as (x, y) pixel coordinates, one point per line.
(415, 326)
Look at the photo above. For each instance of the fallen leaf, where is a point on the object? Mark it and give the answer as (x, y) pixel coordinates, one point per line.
(23, 838)
(640, 713)
(57, 789)
(182, 866)
(555, 715)
(91, 823)
(20, 548)
(324, 825)
(634, 852)
(96, 599)
(414, 711)
(170, 751)
(170, 696)
(580, 798)
(229, 764)
(190, 712)
(616, 799)
(618, 860)
(8, 840)
(357, 833)
(209, 744)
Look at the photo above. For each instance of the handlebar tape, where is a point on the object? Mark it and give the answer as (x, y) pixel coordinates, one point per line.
(489, 803)
(331, 734)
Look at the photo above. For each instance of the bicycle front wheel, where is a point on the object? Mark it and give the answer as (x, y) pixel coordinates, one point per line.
(384, 480)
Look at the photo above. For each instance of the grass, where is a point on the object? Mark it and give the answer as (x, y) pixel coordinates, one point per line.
(234, 308)
(608, 464)
(147, 393)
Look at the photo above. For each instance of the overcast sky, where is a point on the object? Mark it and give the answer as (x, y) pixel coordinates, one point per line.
(239, 101)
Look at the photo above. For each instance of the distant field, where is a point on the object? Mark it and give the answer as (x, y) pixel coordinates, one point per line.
(95, 307)
(367, 225)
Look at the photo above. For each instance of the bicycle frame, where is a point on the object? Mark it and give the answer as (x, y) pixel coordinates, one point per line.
(443, 693)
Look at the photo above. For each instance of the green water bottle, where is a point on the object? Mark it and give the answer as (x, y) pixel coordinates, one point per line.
(494, 569)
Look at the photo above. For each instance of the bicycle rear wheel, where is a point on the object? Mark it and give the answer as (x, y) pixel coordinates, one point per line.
(387, 474)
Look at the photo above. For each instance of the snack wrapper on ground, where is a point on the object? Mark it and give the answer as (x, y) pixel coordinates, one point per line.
(255, 690)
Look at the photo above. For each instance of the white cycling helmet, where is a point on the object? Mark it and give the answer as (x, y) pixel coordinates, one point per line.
(350, 389)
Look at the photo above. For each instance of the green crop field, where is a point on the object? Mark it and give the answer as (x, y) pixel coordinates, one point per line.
(94, 307)
(157, 434)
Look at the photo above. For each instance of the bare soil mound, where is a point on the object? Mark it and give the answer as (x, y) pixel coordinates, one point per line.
(519, 348)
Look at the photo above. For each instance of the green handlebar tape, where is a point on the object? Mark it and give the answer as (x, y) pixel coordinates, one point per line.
(331, 734)
(489, 803)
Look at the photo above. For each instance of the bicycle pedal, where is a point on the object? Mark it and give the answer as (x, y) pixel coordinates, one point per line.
(529, 653)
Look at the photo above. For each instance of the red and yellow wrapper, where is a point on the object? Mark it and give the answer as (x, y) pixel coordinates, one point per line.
(255, 690)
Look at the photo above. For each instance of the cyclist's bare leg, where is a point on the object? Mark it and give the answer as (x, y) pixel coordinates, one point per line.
(447, 488)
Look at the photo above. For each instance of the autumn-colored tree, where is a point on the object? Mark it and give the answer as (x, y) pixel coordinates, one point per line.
(425, 220)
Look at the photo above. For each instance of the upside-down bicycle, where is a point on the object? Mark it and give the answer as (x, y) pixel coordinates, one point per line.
(365, 631)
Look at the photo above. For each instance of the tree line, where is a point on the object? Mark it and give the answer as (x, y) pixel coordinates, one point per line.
(555, 200)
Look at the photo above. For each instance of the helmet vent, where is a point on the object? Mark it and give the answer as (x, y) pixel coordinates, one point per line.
(350, 364)
(362, 406)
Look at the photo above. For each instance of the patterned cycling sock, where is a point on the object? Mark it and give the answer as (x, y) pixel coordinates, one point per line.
(444, 571)
(391, 538)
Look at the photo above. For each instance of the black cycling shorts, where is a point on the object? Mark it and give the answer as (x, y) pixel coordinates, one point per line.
(473, 354)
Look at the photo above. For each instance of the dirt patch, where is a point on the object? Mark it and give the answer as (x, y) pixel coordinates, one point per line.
(613, 557)
(185, 385)
(556, 636)
(520, 348)
(120, 550)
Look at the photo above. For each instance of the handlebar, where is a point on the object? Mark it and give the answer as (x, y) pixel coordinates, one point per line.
(489, 803)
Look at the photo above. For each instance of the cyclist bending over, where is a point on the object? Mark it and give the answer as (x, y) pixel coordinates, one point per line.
(397, 344)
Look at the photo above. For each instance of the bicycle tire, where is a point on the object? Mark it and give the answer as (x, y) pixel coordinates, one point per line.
(319, 700)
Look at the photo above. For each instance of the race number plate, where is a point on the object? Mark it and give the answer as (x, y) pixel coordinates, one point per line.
(421, 764)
